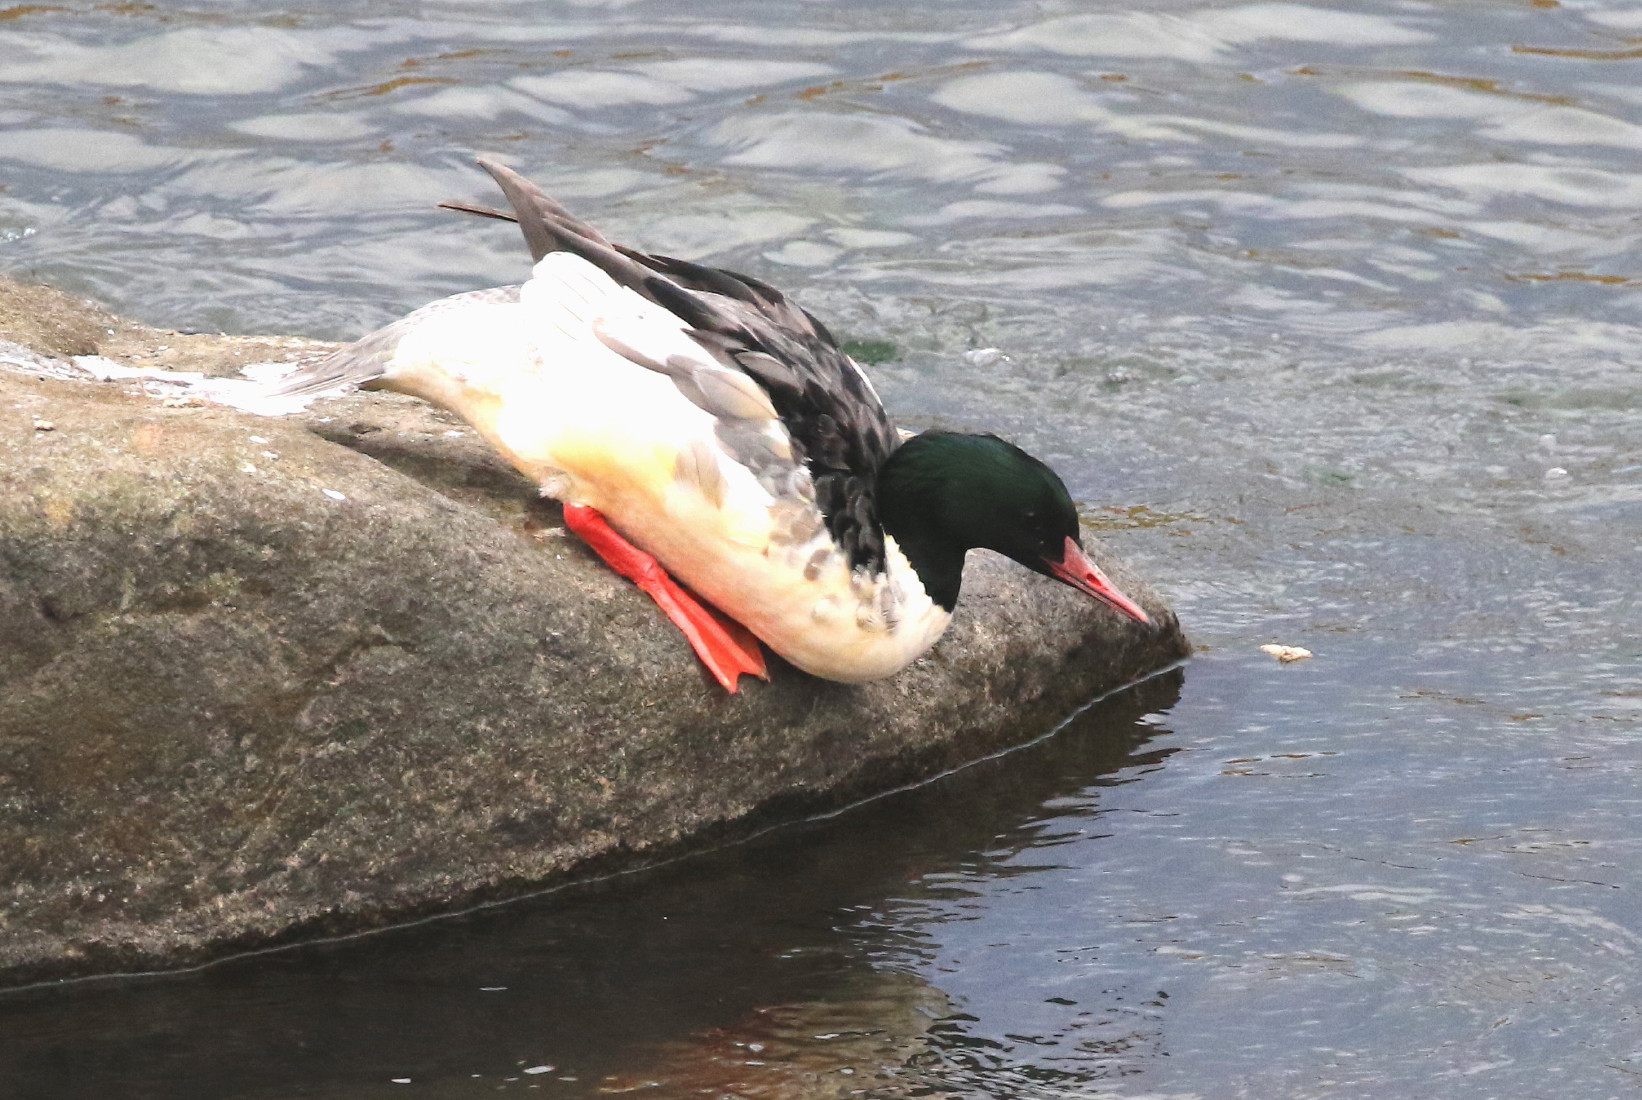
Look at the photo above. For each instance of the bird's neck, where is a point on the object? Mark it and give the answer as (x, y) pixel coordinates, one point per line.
(939, 566)
(910, 507)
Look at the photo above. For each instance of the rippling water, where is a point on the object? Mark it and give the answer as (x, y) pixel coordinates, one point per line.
(1329, 313)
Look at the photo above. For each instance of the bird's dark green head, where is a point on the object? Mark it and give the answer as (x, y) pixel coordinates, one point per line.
(942, 494)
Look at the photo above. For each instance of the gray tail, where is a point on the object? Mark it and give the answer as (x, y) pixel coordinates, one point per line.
(273, 389)
(270, 389)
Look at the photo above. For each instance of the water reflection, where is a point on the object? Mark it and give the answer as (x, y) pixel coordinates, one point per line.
(793, 942)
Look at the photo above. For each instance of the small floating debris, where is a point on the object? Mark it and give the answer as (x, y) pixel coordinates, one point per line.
(1555, 473)
(1286, 654)
(334, 495)
(985, 357)
(44, 425)
(541, 1069)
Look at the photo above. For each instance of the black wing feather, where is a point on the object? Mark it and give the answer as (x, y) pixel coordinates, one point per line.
(838, 427)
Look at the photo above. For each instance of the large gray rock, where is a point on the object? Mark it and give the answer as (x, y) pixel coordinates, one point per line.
(267, 680)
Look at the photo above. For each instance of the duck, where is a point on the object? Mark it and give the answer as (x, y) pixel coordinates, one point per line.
(711, 441)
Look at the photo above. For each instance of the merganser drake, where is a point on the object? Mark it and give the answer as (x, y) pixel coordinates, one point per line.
(697, 425)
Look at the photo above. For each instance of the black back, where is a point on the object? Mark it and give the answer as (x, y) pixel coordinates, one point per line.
(838, 427)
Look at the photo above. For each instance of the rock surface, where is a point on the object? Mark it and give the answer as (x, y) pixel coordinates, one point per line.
(269, 680)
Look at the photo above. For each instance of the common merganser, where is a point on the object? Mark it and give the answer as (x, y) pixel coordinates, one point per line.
(696, 424)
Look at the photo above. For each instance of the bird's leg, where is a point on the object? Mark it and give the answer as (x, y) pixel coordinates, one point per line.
(727, 648)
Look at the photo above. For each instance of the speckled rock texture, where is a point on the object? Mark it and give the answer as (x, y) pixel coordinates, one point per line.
(267, 680)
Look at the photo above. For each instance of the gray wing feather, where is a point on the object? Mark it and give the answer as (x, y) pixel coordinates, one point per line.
(838, 427)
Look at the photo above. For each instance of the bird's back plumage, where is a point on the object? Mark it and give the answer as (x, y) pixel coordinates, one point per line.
(836, 422)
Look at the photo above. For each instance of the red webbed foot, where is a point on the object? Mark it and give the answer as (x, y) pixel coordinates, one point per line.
(727, 648)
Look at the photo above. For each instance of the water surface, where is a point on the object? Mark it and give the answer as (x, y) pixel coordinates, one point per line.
(1327, 312)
